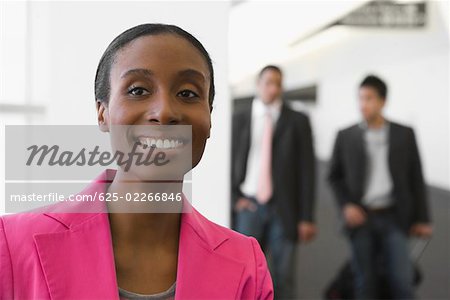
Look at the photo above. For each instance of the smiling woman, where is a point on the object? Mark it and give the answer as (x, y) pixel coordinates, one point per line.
(151, 75)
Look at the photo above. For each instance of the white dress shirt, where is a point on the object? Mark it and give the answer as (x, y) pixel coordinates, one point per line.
(259, 109)
(378, 192)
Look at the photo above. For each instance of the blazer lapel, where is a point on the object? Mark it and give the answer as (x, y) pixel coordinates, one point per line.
(281, 123)
(247, 132)
(392, 145)
(360, 156)
(280, 126)
(78, 263)
(243, 141)
(202, 272)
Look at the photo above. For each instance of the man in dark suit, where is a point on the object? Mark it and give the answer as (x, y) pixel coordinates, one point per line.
(273, 172)
(377, 179)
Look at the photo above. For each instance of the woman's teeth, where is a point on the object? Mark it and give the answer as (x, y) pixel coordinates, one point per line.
(161, 143)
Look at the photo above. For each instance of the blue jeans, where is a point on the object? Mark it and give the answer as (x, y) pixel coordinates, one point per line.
(381, 241)
(265, 225)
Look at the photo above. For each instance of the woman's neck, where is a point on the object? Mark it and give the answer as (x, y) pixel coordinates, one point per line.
(145, 229)
(139, 216)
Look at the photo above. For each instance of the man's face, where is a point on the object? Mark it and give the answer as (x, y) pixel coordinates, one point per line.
(370, 103)
(270, 86)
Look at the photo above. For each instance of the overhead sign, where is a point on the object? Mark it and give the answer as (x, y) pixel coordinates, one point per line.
(387, 14)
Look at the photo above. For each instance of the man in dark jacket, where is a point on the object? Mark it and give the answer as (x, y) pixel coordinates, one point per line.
(377, 179)
(273, 172)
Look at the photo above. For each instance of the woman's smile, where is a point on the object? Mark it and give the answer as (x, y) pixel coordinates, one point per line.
(160, 143)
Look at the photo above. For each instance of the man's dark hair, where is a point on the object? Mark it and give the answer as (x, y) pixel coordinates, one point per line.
(376, 83)
(102, 76)
(270, 68)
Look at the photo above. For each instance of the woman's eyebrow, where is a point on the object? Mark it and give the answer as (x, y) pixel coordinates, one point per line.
(192, 73)
(144, 72)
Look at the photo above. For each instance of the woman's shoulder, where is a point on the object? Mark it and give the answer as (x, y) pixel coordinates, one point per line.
(237, 247)
(50, 218)
(225, 240)
(26, 221)
(20, 228)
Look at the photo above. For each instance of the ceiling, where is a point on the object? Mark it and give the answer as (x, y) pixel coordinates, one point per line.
(263, 32)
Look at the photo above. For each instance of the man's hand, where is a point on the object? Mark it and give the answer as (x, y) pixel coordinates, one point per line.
(306, 231)
(354, 215)
(421, 230)
(244, 203)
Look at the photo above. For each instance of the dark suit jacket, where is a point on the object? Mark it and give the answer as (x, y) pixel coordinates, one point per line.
(293, 165)
(347, 173)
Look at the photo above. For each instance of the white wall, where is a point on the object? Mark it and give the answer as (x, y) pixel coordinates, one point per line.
(67, 41)
(415, 65)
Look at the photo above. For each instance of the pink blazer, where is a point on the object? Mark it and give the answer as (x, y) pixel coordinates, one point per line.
(50, 255)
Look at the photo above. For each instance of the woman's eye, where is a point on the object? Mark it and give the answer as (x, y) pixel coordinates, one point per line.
(187, 94)
(137, 91)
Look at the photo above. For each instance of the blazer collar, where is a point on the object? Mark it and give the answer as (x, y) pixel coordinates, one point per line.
(259, 109)
(393, 143)
(82, 211)
(388, 126)
(78, 262)
(281, 123)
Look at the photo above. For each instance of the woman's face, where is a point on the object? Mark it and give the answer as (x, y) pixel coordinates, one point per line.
(160, 80)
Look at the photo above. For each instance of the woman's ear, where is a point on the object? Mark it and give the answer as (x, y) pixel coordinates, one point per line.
(210, 126)
(210, 123)
(102, 116)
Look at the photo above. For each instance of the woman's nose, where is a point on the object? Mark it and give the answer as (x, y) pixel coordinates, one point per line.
(164, 111)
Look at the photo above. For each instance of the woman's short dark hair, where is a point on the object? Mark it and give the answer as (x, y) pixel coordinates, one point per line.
(376, 83)
(102, 76)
